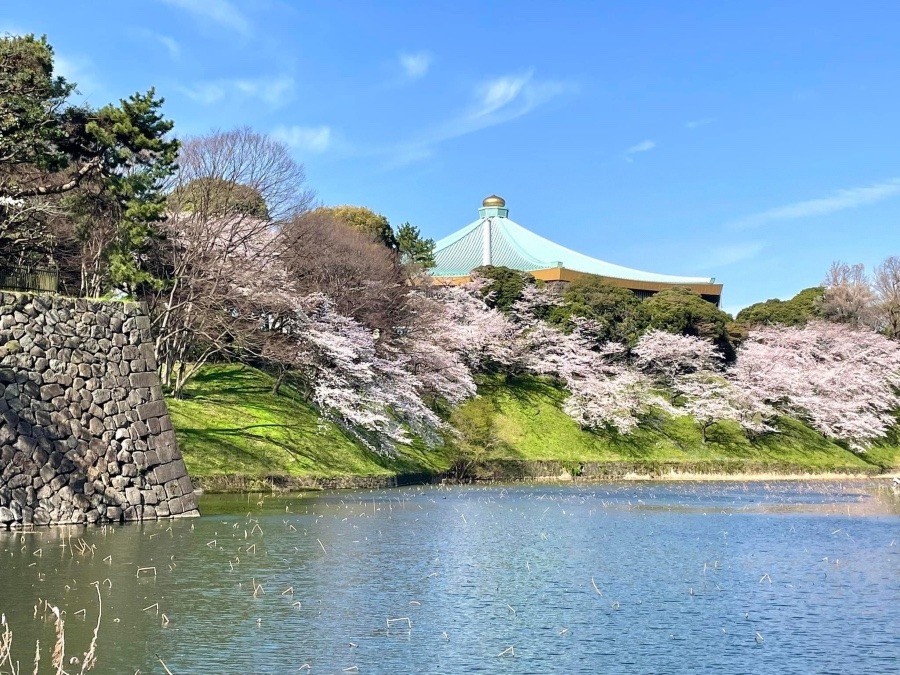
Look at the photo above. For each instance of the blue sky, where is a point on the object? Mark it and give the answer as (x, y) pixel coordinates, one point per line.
(755, 142)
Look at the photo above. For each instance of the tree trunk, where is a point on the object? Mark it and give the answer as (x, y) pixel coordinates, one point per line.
(279, 380)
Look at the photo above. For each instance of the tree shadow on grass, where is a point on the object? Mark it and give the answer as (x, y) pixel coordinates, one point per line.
(528, 392)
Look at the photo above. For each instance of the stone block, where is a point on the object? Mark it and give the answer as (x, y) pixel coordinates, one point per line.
(167, 472)
(173, 489)
(165, 453)
(95, 426)
(141, 428)
(47, 473)
(101, 396)
(50, 391)
(18, 481)
(130, 353)
(153, 409)
(148, 379)
(189, 501)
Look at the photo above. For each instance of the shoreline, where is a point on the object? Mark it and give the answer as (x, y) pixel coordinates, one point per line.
(283, 484)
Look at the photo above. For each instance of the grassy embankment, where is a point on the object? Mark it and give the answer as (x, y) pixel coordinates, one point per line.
(235, 434)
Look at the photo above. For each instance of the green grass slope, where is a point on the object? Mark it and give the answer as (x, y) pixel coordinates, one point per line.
(527, 423)
(229, 424)
(234, 431)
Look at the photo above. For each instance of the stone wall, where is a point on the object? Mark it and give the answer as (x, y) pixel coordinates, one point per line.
(85, 436)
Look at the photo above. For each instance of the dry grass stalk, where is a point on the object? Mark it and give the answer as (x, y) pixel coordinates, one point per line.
(6, 646)
(37, 657)
(59, 649)
(163, 663)
(90, 656)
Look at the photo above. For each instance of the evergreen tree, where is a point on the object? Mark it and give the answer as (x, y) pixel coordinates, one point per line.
(75, 179)
(413, 248)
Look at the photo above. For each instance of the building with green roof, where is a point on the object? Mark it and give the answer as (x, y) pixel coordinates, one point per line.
(495, 239)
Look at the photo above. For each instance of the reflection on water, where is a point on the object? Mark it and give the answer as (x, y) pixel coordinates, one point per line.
(665, 577)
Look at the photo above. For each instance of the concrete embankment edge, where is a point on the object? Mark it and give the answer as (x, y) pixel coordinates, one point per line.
(515, 471)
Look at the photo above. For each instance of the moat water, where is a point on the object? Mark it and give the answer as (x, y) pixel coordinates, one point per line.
(621, 578)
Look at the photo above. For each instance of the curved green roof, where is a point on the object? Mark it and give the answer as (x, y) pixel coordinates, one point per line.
(496, 240)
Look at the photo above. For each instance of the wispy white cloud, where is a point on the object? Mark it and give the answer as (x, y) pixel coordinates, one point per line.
(841, 200)
(501, 100)
(222, 12)
(702, 122)
(493, 102)
(415, 65)
(170, 44)
(498, 93)
(729, 254)
(305, 139)
(643, 146)
(273, 91)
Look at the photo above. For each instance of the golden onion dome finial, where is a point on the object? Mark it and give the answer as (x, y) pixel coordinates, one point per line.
(494, 200)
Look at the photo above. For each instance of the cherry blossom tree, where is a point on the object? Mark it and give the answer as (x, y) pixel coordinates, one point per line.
(488, 340)
(841, 380)
(666, 356)
(230, 192)
(376, 397)
(708, 398)
(437, 348)
(604, 391)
